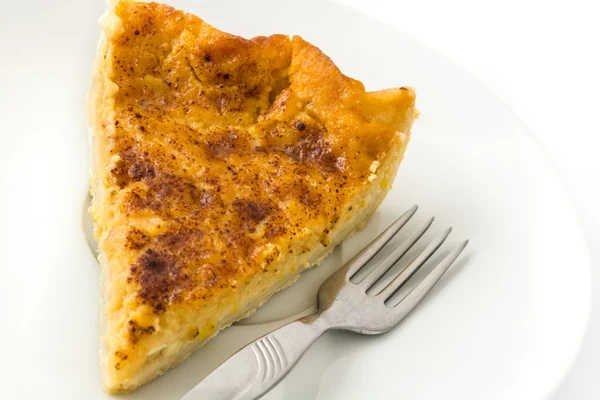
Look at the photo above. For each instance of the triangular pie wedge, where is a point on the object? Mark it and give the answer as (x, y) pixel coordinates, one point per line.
(223, 167)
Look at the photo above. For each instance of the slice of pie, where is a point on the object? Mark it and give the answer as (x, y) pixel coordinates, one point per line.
(222, 168)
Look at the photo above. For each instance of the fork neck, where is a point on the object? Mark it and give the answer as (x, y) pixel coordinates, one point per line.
(316, 322)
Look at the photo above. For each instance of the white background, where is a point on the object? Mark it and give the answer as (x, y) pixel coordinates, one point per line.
(543, 59)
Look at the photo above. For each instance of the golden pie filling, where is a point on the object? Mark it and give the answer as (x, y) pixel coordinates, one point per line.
(223, 167)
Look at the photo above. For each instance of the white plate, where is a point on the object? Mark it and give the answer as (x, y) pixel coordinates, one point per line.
(505, 323)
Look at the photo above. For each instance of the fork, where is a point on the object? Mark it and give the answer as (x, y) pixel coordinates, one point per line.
(345, 302)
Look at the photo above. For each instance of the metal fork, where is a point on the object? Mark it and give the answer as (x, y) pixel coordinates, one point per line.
(343, 304)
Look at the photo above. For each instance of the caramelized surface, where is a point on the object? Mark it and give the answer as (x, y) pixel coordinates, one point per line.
(225, 156)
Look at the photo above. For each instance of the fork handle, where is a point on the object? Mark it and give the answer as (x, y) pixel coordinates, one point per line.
(256, 368)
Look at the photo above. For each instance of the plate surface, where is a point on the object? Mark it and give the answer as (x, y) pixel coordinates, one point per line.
(505, 323)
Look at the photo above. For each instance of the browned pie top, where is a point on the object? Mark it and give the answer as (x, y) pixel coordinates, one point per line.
(227, 152)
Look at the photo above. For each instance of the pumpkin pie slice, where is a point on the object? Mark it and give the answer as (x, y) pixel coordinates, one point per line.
(223, 167)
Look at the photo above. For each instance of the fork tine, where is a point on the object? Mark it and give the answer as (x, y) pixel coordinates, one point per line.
(368, 252)
(386, 264)
(413, 298)
(408, 271)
